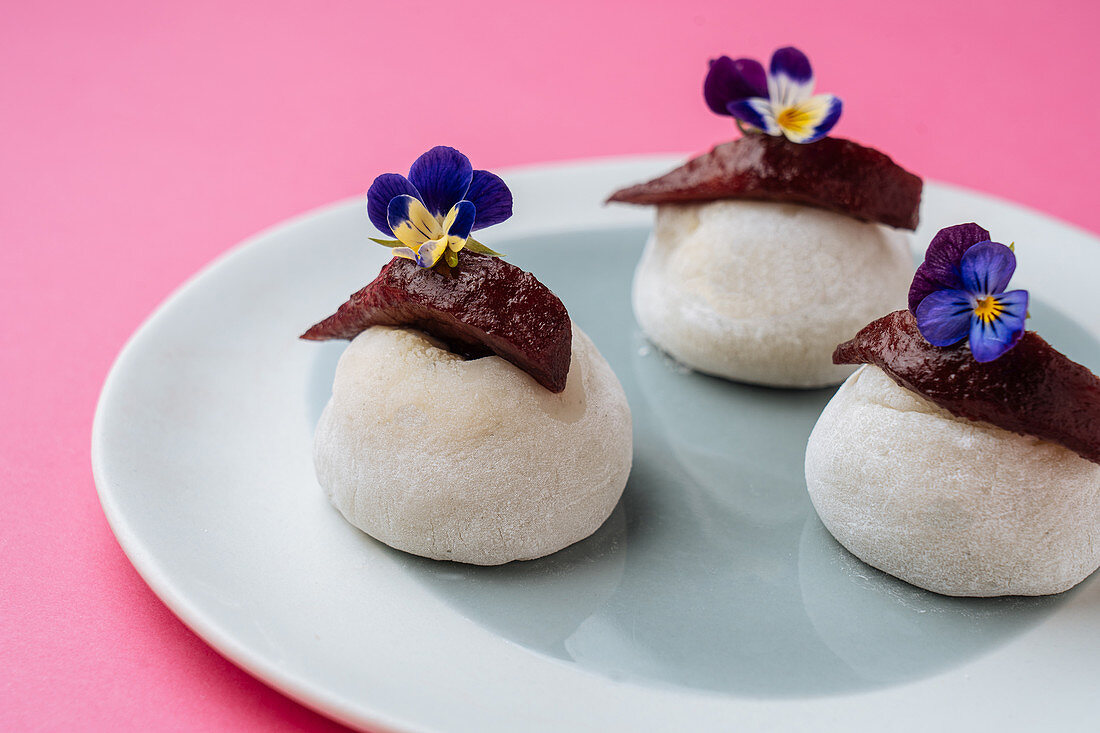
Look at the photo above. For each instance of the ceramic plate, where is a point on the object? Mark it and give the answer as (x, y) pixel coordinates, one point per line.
(712, 599)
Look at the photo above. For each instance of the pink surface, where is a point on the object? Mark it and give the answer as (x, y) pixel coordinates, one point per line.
(139, 142)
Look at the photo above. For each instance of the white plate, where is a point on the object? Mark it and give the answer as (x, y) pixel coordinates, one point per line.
(711, 600)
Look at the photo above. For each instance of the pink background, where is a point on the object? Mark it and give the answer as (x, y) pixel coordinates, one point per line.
(139, 142)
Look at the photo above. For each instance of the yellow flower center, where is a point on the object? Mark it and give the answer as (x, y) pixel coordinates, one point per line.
(797, 119)
(988, 309)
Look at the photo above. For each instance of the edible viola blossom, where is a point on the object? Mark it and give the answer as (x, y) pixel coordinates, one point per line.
(432, 212)
(959, 292)
(779, 102)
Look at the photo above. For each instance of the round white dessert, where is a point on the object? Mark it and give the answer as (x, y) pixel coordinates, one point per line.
(954, 506)
(763, 292)
(471, 461)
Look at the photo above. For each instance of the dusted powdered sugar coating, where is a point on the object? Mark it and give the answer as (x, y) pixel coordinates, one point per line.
(763, 292)
(953, 506)
(471, 461)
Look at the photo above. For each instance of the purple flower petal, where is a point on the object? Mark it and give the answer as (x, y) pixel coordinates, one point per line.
(986, 268)
(792, 63)
(464, 220)
(385, 188)
(730, 80)
(492, 198)
(442, 176)
(992, 337)
(790, 80)
(756, 112)
(940, 268)
(944, 316)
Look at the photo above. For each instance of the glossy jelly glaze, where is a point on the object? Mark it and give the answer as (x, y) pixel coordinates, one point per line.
(482, 306)
(1032, 389)
(832, 173)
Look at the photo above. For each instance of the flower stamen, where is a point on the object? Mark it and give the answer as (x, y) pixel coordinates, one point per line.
(796, 119)
(988, 309)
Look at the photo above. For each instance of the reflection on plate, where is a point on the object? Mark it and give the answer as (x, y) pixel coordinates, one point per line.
(711, 575)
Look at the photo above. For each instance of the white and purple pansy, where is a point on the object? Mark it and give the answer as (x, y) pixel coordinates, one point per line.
(959, 292)
(780, 101)
(433, 211)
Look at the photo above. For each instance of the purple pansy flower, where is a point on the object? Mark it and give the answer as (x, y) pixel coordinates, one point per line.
(959, 291)
(433, 211)
(778, 102)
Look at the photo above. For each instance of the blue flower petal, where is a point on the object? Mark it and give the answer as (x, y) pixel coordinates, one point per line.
(792, 63)
(790, 79)
(990, 338)
(385, 188)
(492, 198)
(986, 268)
(943, 317)
(940, 268)
(1015, 304)
(755, 112)
(731, 80)
(429, 253)
(460, 220)
(410, 222)
(442, 176)
(835, 107)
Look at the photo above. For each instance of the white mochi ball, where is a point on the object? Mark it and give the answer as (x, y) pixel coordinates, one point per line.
(763, 292)
(957, 507)
(471, 461)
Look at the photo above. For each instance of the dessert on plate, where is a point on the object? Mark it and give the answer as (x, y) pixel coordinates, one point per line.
(470, 419)
(963, 456)
(770, 249)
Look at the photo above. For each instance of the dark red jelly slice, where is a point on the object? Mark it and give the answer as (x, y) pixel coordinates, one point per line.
(483, 306)
(1031, 390)
(831, 173)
